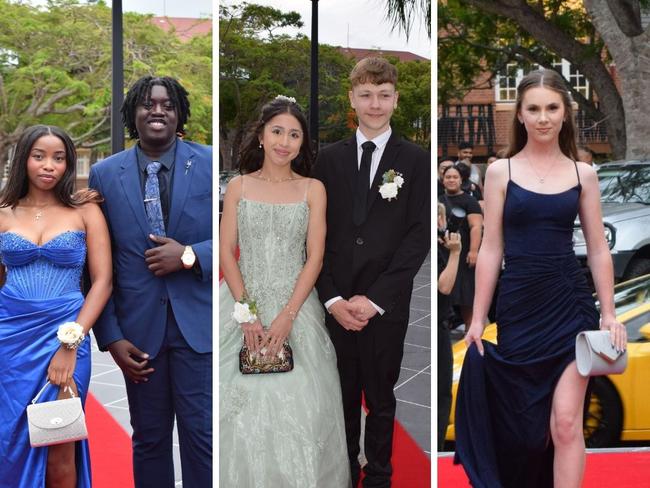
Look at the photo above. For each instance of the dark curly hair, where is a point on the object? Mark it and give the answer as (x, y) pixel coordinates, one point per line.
(141, 91)
(18, 181)
(251, 156)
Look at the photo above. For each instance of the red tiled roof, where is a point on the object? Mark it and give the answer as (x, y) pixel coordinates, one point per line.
(186, 28)
(359, 54)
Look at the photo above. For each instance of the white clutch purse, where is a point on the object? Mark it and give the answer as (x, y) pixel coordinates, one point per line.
(596, 356)
(56, 422)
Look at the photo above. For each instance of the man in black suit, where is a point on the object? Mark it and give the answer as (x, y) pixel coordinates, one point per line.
(378, 235)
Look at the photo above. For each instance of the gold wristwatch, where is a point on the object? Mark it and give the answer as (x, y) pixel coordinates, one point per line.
(188, 258)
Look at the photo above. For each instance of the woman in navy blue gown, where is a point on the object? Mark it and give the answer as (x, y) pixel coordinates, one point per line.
(46, 233)
(520, 403)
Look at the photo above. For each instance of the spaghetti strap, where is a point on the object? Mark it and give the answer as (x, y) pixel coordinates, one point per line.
(242, 186)
(509, 173)
(577, 172)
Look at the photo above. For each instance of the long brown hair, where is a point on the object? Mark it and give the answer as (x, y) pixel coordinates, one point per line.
(553, 81)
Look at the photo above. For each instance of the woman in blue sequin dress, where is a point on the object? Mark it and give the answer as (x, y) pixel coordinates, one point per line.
(46, 236)
(520, 403)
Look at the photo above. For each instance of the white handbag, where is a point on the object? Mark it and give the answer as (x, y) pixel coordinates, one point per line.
(597, 356)
(56, 422)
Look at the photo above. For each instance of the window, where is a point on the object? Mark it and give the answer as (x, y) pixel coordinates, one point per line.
(508, 79)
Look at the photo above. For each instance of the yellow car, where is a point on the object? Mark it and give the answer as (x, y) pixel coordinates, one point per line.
(620, 404)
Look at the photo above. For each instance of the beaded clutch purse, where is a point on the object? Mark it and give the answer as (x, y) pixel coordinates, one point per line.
(256, 363)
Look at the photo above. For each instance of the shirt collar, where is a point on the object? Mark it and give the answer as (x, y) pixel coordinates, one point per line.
(379, 141)
(167, 159)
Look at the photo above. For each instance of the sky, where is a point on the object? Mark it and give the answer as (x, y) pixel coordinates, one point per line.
(171, 8)
(365, 20)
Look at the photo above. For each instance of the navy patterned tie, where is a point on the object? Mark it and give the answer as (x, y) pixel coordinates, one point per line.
(152, 200)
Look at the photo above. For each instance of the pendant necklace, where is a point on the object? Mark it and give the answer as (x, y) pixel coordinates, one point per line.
(541, 178)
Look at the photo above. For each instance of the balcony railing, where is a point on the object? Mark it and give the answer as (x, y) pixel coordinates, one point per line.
(473, 123)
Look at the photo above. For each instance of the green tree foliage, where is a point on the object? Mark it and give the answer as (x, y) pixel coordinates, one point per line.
(256, 64)
(478, 36)
(55, 68)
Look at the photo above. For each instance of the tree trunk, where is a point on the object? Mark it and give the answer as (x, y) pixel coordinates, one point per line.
(631, 55)
(589, 64)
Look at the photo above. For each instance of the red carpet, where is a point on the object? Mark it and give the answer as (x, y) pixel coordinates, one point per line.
(411, 467)
(110, 448)
(619, 469)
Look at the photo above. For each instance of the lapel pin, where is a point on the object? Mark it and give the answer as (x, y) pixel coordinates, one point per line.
(188, 165)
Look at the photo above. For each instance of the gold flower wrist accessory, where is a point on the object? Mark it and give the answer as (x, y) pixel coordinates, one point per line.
(70, 335)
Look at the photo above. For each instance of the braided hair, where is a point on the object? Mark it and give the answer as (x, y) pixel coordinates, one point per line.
(141, 91)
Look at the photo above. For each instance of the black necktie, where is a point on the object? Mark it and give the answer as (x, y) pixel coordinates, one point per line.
(363, 182)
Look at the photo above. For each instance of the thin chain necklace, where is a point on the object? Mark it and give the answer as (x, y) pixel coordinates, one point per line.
(39, 211)
(273, 180)
(543, 177)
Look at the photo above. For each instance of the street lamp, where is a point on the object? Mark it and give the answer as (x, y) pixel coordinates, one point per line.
(313, 97)
(117, 79)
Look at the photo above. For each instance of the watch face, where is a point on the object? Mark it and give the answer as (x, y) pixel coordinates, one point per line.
(188, 258)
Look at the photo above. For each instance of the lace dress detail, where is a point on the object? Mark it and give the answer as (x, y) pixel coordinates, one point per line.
(283, 429)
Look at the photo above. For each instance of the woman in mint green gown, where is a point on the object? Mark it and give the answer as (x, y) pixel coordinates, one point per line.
(279, 429)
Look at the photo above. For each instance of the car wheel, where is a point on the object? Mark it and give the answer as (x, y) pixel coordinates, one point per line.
(637, 267)
(604, 420)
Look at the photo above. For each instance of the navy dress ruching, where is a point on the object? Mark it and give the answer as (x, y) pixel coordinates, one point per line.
(504, 398)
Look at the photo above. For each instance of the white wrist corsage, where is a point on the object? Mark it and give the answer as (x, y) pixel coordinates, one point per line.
(70, 335)
(392, 182)
(245, 311)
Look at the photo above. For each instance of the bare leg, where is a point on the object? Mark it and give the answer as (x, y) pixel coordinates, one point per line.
(566, 428)
(61, 468)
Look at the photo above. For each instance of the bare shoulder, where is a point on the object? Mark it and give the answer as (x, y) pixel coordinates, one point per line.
(233, 190)
(90, 212)
(588, 174)
(315, 190)
(498, 171)
(6, 215)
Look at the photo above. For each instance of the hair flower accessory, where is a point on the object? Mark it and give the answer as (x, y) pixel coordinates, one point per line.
(245, 311)
(285, 98)
(392, 182)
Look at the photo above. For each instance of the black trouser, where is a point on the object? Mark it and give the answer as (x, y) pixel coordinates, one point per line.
(369, 364)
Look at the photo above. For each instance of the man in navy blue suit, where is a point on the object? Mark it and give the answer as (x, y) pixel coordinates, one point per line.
(158, 323)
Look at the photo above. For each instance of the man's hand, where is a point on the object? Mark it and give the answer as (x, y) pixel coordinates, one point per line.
(166, 258)
(365, 309)
(345, 314)
(131, 360)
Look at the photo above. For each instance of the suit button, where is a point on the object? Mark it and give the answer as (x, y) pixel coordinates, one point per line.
(359, 241)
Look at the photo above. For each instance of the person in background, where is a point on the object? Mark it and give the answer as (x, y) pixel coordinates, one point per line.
(449, 247)
(465, 154)
(586, 155)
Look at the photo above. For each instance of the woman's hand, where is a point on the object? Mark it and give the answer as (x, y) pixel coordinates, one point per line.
(62, 366)
(253, 333)
(278, 332)
(618, 333)
(472, 256)
(474, 334)
(452, 242)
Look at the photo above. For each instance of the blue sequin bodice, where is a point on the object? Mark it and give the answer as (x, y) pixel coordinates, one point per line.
(46, 271)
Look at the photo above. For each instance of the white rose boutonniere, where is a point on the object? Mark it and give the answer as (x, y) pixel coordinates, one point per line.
(392, 182)
(245, 311)
(70, 335)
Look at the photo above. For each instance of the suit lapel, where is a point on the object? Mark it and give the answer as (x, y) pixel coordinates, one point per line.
(387, 162)
(130, 180)
(183, 173)
(350, 161)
